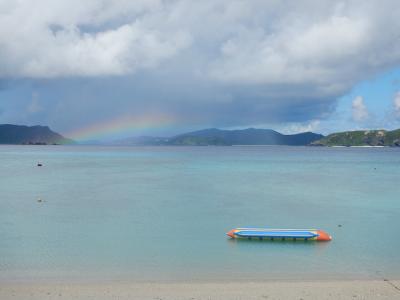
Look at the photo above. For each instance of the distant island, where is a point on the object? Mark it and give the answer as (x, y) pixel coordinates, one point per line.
(43, 135)
(31, 135)
(361, 138)
(253, 136)
(219, 137)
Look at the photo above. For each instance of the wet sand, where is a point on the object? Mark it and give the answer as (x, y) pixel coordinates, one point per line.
(349, 289)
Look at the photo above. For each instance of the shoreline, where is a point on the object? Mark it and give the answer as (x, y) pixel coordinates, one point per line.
(8, 278)
(268, 289)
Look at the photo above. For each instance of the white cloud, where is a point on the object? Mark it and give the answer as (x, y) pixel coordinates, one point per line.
(293, 128)
(44, 39)
(325, 44)
(359, 110)
(312, 52)
(331, 46)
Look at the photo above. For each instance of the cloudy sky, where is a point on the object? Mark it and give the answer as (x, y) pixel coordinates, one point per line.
(124, 68)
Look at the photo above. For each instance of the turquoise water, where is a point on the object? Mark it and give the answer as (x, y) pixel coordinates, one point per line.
(161, 213)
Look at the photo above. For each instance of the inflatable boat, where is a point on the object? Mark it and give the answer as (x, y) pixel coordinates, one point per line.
(279, 234)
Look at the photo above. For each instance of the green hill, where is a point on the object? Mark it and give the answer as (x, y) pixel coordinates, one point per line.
(249, 136)
(361, 138)
(218, 137)
(30, 135)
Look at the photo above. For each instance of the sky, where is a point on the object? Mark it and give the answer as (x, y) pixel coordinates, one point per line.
(102, 69)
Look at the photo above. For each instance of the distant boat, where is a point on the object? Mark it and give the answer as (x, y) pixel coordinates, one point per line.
(279, 234)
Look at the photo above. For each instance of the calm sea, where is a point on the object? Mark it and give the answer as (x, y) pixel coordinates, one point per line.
(161, 213)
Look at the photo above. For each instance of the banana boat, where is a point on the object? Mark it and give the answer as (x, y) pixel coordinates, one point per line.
(279, 234)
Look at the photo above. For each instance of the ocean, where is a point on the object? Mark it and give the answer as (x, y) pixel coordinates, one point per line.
(161, 213)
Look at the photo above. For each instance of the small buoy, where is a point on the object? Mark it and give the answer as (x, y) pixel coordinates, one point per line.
(39, 200)
(340, 225)
(39, 165)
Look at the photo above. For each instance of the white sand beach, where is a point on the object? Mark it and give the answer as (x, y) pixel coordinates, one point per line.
(350, 289)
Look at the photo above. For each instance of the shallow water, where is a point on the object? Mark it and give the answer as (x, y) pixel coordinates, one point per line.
(161, 213)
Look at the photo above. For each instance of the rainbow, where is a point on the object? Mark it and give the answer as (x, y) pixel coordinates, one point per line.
(121, 126)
